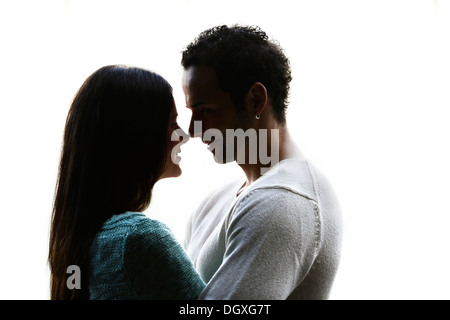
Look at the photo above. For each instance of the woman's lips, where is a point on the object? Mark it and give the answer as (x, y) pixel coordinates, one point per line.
(176, 155)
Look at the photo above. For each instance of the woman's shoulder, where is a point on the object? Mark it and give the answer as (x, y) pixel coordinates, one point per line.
(134, 223)
(135, 231)
(144, 234)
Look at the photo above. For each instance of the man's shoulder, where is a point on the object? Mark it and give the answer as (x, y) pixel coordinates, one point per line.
(289, 176)
(274, 200)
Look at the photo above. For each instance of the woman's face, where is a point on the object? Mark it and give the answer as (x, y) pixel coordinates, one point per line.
(177, 137)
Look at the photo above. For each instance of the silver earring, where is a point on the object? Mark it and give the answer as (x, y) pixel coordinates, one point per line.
(258, 117)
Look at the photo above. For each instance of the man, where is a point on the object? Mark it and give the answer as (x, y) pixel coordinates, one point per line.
(276, 235)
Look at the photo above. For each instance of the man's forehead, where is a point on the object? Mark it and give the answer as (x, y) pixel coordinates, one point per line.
(199, 75)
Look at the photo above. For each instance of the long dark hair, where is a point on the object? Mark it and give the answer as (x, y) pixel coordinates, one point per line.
(114, 150)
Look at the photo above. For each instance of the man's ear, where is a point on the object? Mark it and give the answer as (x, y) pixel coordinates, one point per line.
(256, 99)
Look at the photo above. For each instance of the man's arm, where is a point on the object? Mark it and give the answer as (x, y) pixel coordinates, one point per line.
(272, 239)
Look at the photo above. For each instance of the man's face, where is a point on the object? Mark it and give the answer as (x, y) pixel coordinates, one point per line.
(210, 105)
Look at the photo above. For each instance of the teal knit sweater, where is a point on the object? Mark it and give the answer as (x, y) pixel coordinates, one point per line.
(134, 257)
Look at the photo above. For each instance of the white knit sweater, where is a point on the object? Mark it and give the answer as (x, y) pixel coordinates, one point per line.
(279, 239)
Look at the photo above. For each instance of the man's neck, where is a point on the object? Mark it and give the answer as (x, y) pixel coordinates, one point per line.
(287, 149)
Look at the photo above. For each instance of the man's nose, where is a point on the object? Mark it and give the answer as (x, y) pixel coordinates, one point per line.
(191, 128)
(195, 128)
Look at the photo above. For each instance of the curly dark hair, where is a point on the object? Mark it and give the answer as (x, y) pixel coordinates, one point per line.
(241, 56)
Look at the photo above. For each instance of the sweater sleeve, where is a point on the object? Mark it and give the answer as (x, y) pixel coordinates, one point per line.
(157, 266)
(272, 238)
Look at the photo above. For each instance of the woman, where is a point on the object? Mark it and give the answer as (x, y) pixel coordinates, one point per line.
(117, 145)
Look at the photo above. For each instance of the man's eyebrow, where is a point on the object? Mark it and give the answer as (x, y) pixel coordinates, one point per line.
(195, 105)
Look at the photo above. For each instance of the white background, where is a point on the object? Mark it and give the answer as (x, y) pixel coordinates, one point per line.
(369, 106)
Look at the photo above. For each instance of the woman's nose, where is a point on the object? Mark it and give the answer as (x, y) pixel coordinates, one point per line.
(179, 135)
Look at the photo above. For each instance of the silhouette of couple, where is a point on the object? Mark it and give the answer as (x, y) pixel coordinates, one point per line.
(274, 235)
